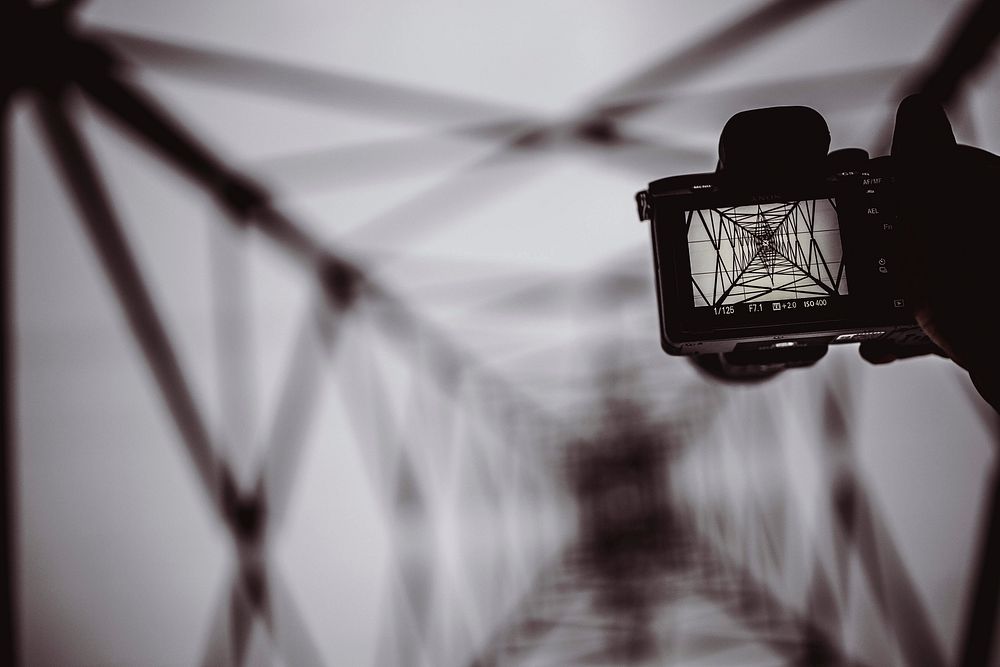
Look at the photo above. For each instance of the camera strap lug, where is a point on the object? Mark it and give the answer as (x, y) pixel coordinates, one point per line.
(642, 203)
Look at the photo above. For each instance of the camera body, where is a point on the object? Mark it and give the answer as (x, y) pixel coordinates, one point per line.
(771, 267)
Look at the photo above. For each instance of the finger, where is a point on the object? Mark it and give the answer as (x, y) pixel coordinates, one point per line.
(922, 145)
(876, 353)
(922, 132)
(883, 352)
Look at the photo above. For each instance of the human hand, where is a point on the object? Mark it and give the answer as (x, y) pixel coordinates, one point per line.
(949, 222)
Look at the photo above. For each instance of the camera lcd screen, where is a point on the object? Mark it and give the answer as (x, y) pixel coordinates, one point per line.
(766, 257)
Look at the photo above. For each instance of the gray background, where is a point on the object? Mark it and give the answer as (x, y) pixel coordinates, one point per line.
(531, 264)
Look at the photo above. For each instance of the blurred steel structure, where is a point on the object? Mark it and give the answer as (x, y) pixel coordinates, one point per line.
(636, 550)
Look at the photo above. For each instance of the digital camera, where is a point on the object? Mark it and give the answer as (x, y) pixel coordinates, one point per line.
(770, 268)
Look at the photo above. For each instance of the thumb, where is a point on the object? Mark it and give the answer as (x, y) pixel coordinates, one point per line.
(922, 144)
(922, 133)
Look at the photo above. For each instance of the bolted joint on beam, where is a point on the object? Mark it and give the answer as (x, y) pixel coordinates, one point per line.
(245, 513)
(47, 47)
(243, 198)
(341, 282)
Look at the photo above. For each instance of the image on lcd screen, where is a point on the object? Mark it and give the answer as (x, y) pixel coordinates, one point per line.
(765, 252)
